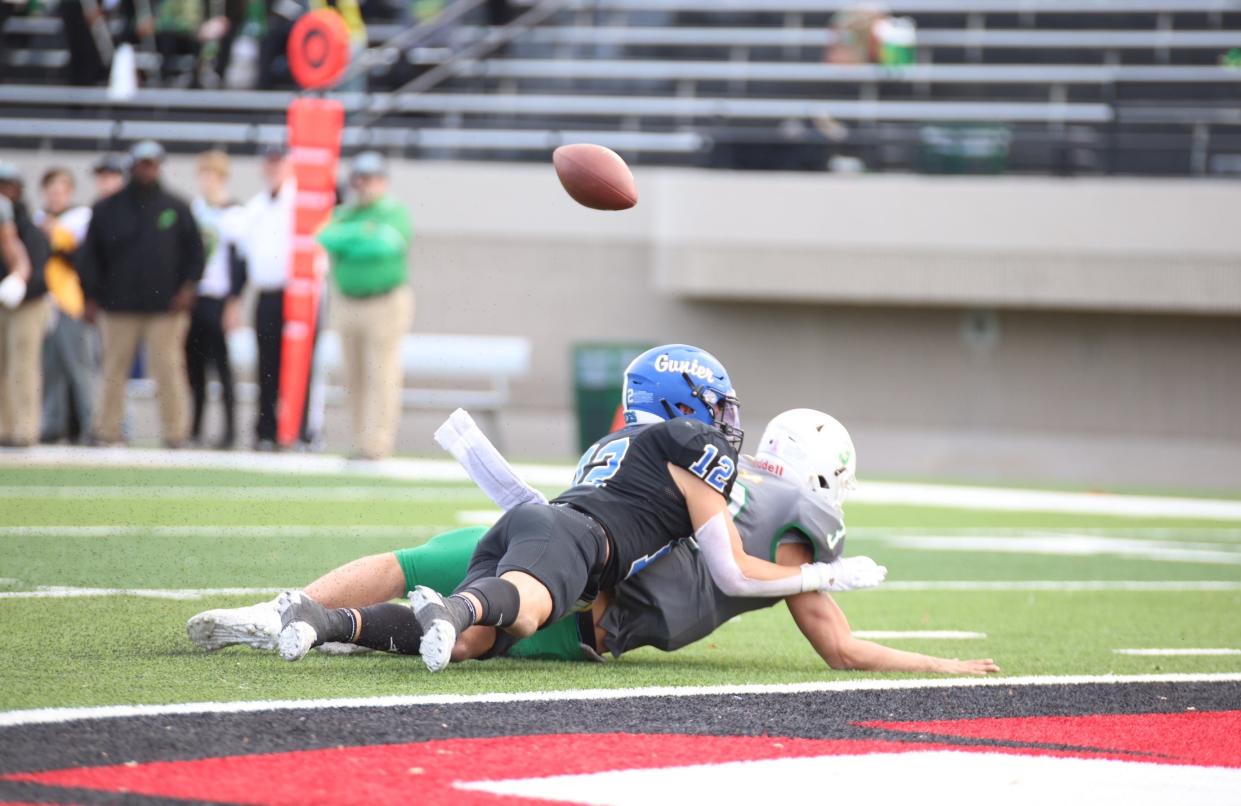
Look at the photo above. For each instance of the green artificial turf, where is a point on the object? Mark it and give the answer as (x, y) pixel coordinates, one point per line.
(128, 649)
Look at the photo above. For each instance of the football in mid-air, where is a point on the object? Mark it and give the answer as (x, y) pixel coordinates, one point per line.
(596, 177)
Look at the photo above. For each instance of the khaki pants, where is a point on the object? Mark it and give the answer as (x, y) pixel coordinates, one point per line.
(370, 331)
(164, 334)
(21, 379)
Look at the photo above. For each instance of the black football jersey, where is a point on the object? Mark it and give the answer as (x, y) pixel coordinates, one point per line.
(623, 482)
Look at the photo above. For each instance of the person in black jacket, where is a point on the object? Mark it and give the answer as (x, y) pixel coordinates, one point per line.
(140, 265)
(23, 314)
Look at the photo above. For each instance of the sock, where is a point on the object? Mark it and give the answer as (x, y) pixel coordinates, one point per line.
(390, 628)
(461, 611)
(341, 626)
(500, 601)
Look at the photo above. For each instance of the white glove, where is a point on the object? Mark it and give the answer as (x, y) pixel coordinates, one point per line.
(12, 291)
(845, 574)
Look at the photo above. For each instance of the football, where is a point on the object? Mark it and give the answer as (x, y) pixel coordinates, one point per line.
(595, 177)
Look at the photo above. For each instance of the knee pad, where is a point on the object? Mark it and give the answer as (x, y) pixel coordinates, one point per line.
(500, 599)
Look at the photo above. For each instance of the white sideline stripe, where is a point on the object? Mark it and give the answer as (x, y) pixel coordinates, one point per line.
(556, 477)
(1163, 652)
(68, 592)
(300, 464)
(478, 517)
(188, 492)
(389, 532)
(44, 716)
(933, 635)
(1074, 545)
(992, 498)
(1057, 585)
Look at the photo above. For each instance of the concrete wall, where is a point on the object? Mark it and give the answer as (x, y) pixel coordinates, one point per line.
(1110, 353)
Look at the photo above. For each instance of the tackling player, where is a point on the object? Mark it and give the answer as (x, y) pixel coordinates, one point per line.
(665, 476)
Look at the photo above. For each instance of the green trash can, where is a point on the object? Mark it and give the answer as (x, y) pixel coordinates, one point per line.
(965, 148)
(598, 384)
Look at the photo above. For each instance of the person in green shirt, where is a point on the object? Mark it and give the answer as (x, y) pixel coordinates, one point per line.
(367, 241)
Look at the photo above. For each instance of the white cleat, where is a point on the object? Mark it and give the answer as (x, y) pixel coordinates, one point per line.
(438, 634)
(256, 626)
(303, 619)
(296, 640)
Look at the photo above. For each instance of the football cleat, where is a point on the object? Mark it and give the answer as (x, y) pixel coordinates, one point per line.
(257, 626)
(304, 621)
(438, 633)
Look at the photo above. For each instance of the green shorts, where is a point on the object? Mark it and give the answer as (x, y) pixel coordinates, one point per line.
(441, 565)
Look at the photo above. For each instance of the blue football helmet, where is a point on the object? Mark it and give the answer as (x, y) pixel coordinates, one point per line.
(677, 380)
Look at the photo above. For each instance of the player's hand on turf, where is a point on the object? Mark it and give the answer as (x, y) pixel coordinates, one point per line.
(851, 573)
(974, 667)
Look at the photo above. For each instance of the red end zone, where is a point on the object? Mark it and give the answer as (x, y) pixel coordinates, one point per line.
(428, 772)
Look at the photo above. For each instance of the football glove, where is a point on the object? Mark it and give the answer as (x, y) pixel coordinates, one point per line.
(845, 574)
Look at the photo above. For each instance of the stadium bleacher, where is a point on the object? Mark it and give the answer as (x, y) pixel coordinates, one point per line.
(1066, 86)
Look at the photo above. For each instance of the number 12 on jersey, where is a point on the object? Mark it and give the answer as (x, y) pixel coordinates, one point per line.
(716, 479)
(601, 463)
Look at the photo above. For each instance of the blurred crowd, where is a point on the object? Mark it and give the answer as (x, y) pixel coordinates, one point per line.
(203, 43)
(141, 281)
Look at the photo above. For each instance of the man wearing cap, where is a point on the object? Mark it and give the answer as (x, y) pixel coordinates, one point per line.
(23, 314)
(140, 265)
(109, 171)
(368, 242)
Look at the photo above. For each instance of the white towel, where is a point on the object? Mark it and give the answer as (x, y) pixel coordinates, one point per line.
(486, 466)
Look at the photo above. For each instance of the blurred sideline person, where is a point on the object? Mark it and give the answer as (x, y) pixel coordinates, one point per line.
(23, 314)
(791, 495)
(216, 308)
(109, 172)
(68, 348)
(268, 245)
(368, 242)
(140, 264)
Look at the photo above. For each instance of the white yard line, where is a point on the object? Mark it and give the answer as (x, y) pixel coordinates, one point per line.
(1173, 652)
(455, 494)
(931, 635)
(69, 592)
(558, 476)
(478, 517)
(1001, 499)
(40, 716)
(384, 532)
(1073, 545)
(1058, 585)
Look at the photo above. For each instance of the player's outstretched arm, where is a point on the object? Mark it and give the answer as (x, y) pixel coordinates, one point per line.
(740, 574)
(735, 572)
(824, 624)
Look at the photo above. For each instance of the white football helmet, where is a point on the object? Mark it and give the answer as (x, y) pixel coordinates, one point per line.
(813, 448)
